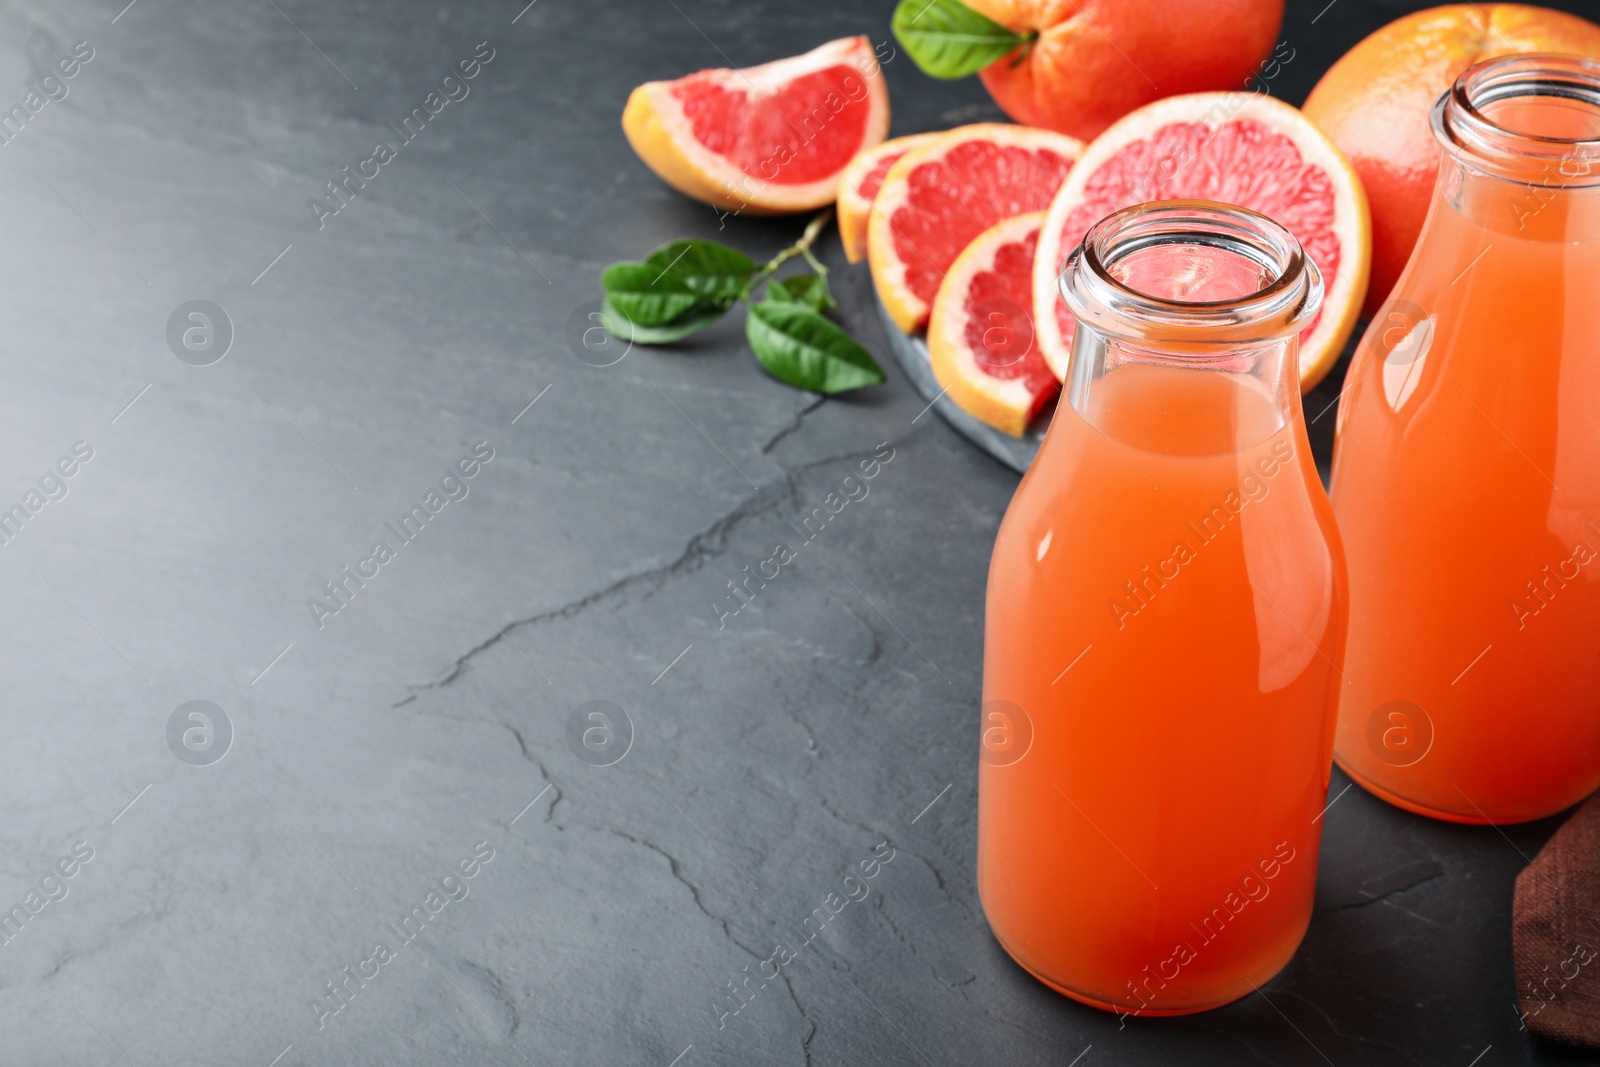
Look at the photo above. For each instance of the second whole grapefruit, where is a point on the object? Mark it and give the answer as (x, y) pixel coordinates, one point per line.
(1093, 61)
(1375, 102)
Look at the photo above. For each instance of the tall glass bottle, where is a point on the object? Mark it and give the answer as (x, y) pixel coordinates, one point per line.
(1166, 614)
(1466, 473)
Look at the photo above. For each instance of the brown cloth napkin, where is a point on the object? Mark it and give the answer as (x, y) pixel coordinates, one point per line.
(1555, 933)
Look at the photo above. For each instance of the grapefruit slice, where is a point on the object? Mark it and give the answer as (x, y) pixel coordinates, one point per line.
(861, 181)
(1238, 148)
(767, 140)
(981, 335)
(937, 198)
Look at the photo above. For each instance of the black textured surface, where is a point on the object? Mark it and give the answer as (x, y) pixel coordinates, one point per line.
(373, 752)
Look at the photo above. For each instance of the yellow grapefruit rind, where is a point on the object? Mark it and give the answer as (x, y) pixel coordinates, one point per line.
(1002, 403)
(909, 311)
(1352, 224)
(660, 133)
(853, 208)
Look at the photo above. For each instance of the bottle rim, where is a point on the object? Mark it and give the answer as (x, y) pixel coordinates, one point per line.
(1476, 140)
(1103, 302)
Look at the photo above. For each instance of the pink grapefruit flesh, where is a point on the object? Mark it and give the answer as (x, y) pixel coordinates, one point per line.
(767, 139)
(981, 335)
(1235, 148)
(937, 198)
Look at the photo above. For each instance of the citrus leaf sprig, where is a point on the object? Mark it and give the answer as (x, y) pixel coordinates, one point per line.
(685, 286)
(947, 39)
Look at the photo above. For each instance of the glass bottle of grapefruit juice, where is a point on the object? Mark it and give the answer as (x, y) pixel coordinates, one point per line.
(1165, 620)
(1466, 474)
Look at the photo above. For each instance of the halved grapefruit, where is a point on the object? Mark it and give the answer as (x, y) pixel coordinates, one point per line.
(981, 335)
(767, 140)
(937, 198)
(1238, 148)
(861, 181)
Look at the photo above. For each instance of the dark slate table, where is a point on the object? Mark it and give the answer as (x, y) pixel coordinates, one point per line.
(399, 766)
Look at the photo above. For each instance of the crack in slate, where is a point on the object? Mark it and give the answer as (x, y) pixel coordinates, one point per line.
(704, 545)
(794, 424)
(675, 868)
(1424, 872)
(523, 748)
(877, 637)
(708, 544)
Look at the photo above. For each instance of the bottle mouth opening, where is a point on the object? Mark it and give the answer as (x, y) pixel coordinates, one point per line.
(1191, 272)
(1533, 117)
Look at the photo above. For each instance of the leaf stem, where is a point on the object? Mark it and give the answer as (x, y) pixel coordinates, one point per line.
(1029, 39)
(802, 247)
(816, 264)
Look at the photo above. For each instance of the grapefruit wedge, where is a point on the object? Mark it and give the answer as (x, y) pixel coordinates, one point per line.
(860, 182)
(767, 140)
(1237, 148)
(981, 335)
(937, 198)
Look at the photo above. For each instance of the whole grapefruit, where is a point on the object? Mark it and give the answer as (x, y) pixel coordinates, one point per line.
(1096, 60)
(1374, 104)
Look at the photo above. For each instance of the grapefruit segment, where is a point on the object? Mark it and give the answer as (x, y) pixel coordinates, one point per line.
(937, 198)
(766, 140)
(859, 184)
(981, 334)
(1236, 148)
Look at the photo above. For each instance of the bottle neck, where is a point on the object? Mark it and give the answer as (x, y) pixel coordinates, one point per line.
(1188, 315)
(1521, 146)
(1229, 402)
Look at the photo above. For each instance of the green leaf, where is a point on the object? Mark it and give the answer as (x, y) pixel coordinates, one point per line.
(808, 289)
(712, 270)
(798, 346)
(647, 295)
(621, 326)
(947, 39)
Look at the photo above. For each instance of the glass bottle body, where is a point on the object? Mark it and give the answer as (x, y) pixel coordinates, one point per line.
(1165, 616)
(1467, 469)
